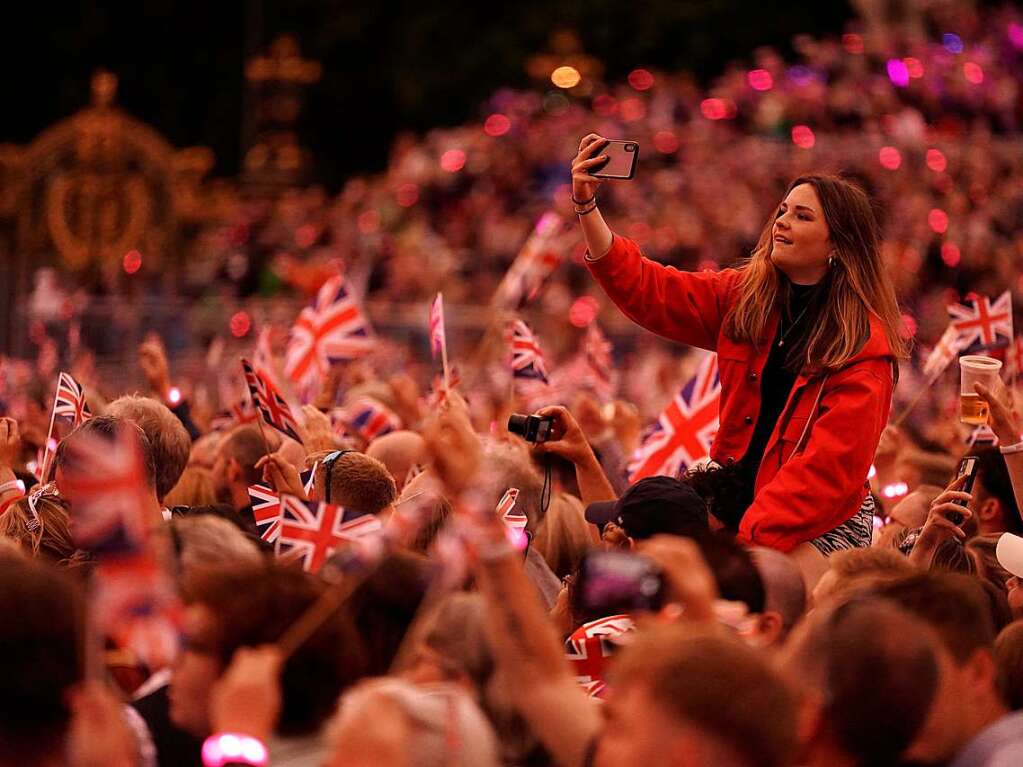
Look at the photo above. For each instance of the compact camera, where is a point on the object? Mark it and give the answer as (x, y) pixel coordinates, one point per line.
(532, 428)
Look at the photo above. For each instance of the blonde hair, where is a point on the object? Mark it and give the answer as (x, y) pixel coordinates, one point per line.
(856, 286)
(195, 488)
(564, 536)
(44, 533)
(167, 436)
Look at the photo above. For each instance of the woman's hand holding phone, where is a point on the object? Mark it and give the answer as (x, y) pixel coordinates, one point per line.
(584, 186)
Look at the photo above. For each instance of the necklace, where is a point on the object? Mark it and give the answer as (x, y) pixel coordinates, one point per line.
(781, 324)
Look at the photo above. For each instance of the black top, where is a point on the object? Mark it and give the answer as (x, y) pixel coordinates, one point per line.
(778, 377)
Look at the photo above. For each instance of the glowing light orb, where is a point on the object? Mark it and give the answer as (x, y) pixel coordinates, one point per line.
(889, 158)
(566, 77)
(641, 79)
(803, 137)
(239, 324)
(132, 261)
(496, 125)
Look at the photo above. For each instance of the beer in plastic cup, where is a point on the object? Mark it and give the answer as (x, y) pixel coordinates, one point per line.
(976, 368)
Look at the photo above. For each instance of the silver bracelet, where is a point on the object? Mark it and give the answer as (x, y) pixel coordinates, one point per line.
(1011, 449)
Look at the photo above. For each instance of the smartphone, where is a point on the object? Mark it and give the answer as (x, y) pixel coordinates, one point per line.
(622, 157)
(968, 467)
(616, 582)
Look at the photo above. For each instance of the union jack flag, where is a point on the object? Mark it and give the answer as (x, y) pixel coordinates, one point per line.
(982, 323)
(333, 329)
(516, 520)
(946, 350)
(685, 429)
(266, 509)
(438, 342)
(70, 401)
(104, 481)
(596, 352)
(239, 413)
(539, 257)
(526, 356)
(310, 531)
(590, 647)
(367, 419)
(1014, 359)
(269, 402)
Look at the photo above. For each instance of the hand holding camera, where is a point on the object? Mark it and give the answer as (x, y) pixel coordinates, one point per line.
(557, 432)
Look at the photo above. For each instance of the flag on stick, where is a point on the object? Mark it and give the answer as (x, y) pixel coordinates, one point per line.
(311, 531)
(70, 401)
(982, 323)
(438, 338)
(539, 257)
(941, 356)
(526, 356)
(269, 402)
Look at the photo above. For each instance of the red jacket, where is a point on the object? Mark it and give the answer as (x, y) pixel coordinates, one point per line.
(798, 495)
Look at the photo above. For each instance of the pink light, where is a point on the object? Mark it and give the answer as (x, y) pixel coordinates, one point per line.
(936, 160)
(496, 125)
(1016, 34)
(174, 395)
(605, 105)
(950, 254)
(52, 444)
(853, 44)
(641, 79)
(803, 137)
(633, 110)
(239, 324)
(665, 142)
(305, 235)
(914, 67)
(706, 265)
(895, 490)
(407, 194)
(760, 80)
(517, 538)
(973, 72)
(132, 261)
(713, 109)
(583, 311)
(889, 158)
(898, 73)
(937, 219)
(452, 160)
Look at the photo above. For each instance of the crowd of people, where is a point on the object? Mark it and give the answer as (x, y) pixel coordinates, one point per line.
(486, 599)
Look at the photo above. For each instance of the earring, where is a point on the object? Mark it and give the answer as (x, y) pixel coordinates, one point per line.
(831, 261)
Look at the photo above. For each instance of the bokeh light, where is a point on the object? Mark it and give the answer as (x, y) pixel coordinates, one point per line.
(583, 311)
(713, 109)
(452, 160)
(800, 75)
(605, 105)
(566, 77)
(368, 221)
(174, 395)
(914, 67)
(973, 73)
(633, 110)
(1015, 33)
(937, 219)
(953, 43)
(240, 323)
(665, 142)
(760, 80)
(496, 125)
(898, 73)
(407, 194)
(889, 158)
(950, 254)
(936, 160)
(803, 137)
(852, 43)
(132, 261)
(641, 79)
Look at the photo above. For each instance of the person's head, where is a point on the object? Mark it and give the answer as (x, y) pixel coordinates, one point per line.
(868, 673)
(673, 702)
(564, 536)
(235, 466)
(652, 506)
(195, 488)
(957, 609)
(393, 723)
(248, 606)
(399, 451)
(823, 232)
(41, 637)
(994, 502)
(852, 569)
(785, 594)
(1009, 658)
(41, 525)
(165, 432)
(507, 464)
(354, 480)
(199, 540)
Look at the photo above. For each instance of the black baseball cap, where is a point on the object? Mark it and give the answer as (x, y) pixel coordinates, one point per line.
(652, 506)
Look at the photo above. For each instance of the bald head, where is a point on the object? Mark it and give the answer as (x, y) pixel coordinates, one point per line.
(783, 584)
(399, 451)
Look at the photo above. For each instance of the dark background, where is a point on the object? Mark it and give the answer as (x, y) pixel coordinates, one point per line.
(388, 65)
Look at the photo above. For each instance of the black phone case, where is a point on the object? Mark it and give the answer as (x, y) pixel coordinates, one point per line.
(595, 170)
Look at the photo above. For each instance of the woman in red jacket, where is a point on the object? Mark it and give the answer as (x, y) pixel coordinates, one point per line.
(807, 337)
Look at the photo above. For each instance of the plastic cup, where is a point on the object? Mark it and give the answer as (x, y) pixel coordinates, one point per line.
(973, 369)
(1009, 552)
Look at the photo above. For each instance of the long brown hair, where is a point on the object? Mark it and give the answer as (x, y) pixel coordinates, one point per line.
(856, 284)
